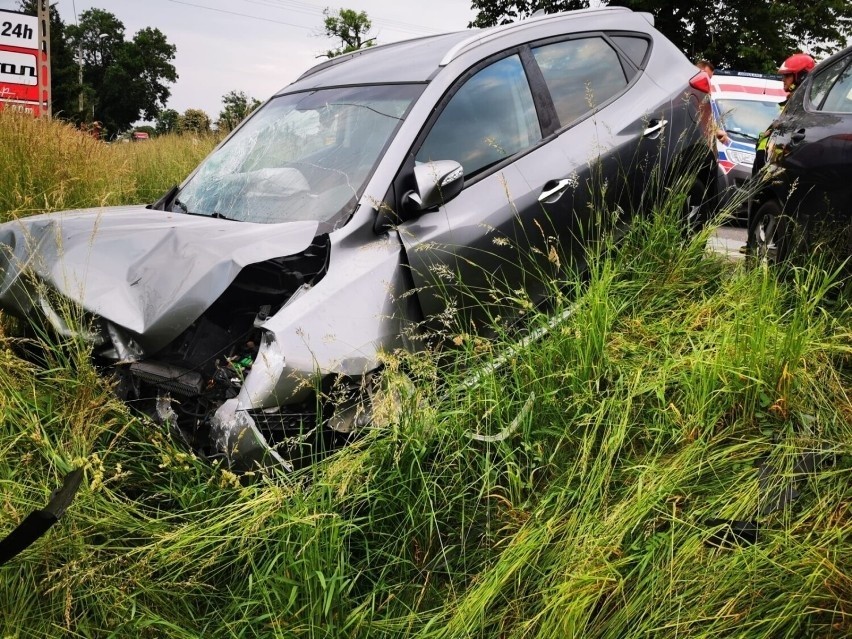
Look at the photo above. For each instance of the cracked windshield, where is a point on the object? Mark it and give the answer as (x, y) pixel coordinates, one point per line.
(304, 156)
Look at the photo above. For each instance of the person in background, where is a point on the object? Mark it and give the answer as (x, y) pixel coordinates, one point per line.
(793, 72)
(719, 132)
(706, 66)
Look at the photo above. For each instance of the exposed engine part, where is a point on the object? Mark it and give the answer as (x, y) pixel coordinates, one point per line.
(169, 377)
(187, 381)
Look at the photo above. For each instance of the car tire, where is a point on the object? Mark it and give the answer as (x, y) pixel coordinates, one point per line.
(768, 234)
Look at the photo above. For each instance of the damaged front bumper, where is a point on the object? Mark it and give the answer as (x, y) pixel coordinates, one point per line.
(209, 329)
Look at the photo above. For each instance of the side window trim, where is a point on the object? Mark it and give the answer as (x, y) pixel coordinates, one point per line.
(546, 109)
(542, 98)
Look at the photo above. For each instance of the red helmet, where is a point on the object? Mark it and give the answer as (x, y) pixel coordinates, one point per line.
(796, 64)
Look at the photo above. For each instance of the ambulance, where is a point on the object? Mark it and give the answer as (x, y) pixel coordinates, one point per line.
(744, 105)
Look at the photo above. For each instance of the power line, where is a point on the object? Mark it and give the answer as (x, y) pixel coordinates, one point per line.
(313, 9)
(289, 24)
(241, 15)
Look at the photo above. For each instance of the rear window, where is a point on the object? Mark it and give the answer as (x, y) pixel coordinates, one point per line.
(634, 47)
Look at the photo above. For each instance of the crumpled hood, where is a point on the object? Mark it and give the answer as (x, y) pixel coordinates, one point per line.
(150, 272)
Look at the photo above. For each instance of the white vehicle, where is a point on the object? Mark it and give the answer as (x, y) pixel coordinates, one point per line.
(744, 105)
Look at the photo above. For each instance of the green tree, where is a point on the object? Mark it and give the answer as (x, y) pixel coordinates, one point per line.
(754, 36)
(237, 105)
(493, 12)
(167, 121)
(123, 80)
(194, 121)
(350, 27)
(65, 88)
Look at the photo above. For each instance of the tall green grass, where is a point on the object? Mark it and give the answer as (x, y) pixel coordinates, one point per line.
(49, 165)
(566, 492)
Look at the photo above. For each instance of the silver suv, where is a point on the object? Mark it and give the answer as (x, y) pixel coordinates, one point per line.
(380, 193)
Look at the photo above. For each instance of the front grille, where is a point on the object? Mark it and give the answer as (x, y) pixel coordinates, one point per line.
(282, 424)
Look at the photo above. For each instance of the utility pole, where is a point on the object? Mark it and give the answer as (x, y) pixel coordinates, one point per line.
(45, 97)
(80, 78)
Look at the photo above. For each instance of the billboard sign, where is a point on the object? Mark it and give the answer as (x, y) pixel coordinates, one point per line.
(24, 82)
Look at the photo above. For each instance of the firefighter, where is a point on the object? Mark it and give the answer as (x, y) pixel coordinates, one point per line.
(793, 72)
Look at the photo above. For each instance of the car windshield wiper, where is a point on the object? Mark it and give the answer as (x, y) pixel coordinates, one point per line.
(215, 214)
(744, 135)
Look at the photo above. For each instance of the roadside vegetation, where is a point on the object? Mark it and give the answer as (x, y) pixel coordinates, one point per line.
(52, 166)
(575, 490)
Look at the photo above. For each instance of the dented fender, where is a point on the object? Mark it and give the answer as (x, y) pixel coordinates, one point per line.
(340, 326)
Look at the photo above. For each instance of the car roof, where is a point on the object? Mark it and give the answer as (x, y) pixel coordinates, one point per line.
(406, 61)
(743, 87)
(418, 60)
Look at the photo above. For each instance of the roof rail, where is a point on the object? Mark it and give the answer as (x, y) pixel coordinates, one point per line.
(348, 56)
(486, 35)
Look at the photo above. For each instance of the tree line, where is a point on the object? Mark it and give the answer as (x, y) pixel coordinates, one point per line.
(104, 79)
(749, 35)
(99, 74)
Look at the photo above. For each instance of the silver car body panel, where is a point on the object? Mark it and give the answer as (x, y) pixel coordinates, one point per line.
(150, 272)
(153, 273)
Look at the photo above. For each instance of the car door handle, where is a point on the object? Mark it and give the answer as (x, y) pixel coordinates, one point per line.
(797, 137)
(553, 188)
(655, 126)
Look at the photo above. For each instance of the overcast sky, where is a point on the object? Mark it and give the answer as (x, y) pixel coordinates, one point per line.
(258, 46)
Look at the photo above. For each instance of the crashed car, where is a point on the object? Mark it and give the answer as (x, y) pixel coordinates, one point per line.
(344, 217)
(806, 200)
(744, 105)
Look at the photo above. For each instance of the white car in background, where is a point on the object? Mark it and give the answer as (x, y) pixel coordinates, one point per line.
(744, 105)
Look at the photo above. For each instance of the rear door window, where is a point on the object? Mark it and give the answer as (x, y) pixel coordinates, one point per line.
(581, 75)
(633, 47)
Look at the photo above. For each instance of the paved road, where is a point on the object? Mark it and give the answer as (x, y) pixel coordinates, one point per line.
(728, 240)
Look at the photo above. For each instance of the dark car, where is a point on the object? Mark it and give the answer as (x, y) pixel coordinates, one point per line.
(382, 192)
(806, 201)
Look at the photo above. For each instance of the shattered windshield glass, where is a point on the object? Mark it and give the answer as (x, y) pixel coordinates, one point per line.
(303, 156)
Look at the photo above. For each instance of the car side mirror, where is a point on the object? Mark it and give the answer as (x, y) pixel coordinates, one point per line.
(435, 183)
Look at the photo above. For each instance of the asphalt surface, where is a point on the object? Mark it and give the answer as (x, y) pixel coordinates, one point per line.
(727, 241)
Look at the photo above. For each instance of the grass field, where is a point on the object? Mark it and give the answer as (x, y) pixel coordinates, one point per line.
(50, 166)
(570, 493)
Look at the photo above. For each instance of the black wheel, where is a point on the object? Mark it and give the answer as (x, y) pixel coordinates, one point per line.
(768, 236)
